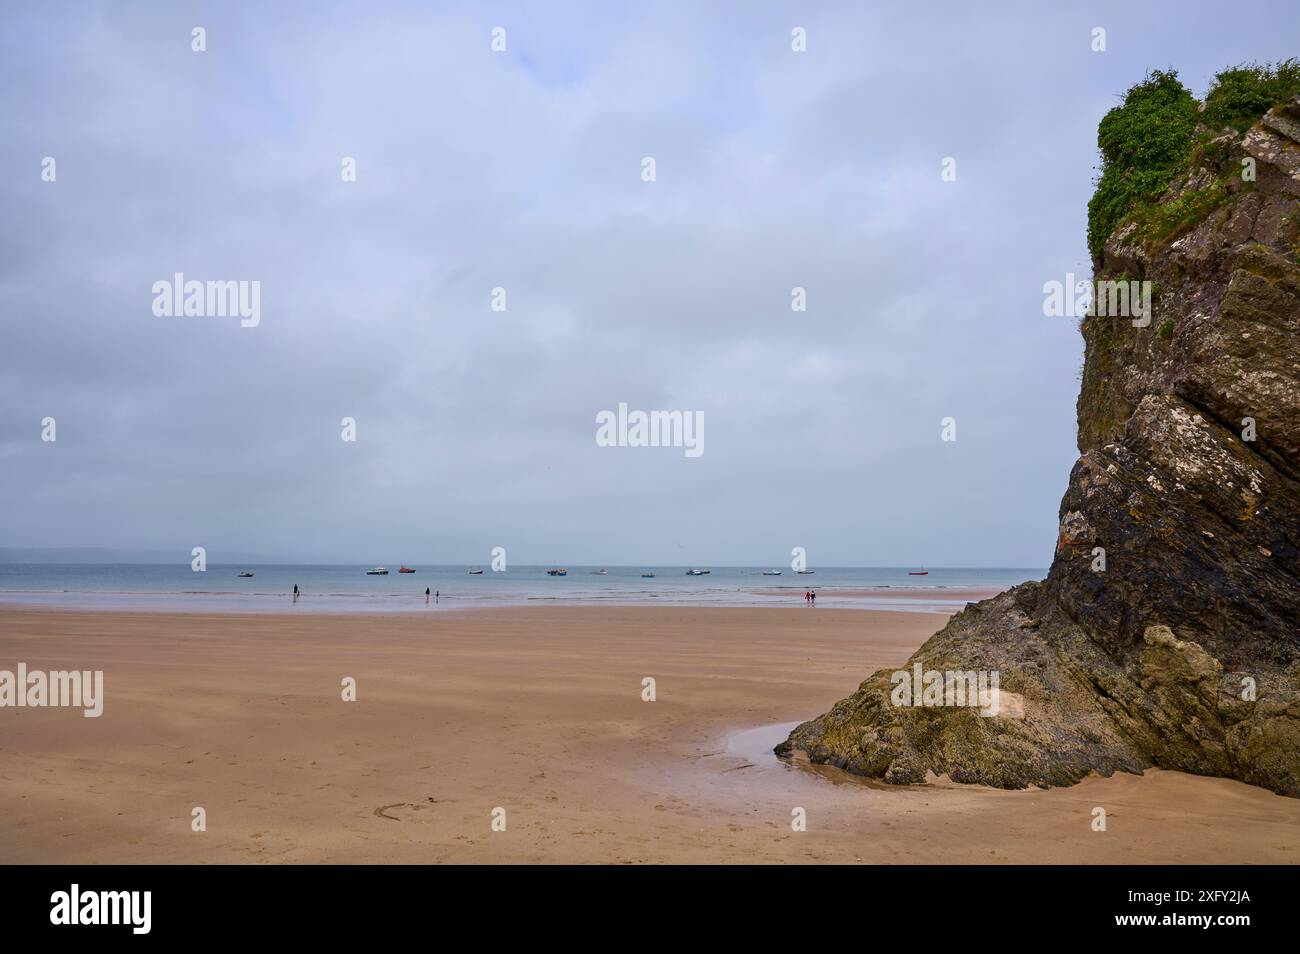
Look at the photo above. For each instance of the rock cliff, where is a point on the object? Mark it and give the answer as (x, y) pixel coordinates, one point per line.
(1167, 632)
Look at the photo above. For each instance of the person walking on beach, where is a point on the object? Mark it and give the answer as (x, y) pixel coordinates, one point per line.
(813, 594)
(295, 592)
(435, 597)
(807, 596)
(426, 596)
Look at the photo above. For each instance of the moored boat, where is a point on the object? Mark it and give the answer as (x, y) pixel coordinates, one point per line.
(377, 571)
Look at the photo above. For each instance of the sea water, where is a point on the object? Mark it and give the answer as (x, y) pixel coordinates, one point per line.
(339, 588)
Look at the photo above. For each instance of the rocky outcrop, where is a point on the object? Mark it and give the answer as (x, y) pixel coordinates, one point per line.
(1167, 632)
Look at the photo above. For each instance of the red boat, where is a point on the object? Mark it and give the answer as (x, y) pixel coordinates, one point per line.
(404, 569)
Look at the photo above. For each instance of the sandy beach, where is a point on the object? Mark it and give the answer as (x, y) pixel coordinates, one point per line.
(536, 710)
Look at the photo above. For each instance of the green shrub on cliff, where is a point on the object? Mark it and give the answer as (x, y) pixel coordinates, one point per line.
(1145, 142)
(1241, 95)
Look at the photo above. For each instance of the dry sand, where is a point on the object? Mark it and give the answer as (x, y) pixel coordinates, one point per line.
(536, 710)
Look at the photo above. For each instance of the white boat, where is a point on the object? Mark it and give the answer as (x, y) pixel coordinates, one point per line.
(246, 574)
(477, 571)
(771, 572)
(600, 573)
(697, 572)
(377, 571)
(805, 572)
(557, 571)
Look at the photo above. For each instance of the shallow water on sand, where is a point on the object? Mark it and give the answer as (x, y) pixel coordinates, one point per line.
(755, 745)
(747, 760)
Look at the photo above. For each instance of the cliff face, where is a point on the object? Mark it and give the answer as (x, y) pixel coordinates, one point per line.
(1183, 652)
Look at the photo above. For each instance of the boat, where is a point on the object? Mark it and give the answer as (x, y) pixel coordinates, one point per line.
(697, 572)
(647, 576)
(600, 573)
(805, 572)
(477, 571)
(557, 571)
(377, 571)
(404, 569)
(918, 572)
(247, 574)
(771, 572)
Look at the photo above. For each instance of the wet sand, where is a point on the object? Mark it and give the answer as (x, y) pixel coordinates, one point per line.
(538, 711)
(935, 599)
(917, 593)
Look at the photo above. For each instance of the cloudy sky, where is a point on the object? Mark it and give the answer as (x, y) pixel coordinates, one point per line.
(523, 170)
